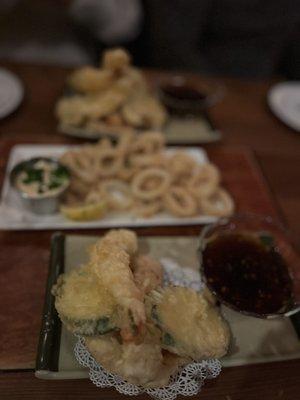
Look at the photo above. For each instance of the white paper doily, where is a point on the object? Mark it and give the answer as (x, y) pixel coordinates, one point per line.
(186, 382)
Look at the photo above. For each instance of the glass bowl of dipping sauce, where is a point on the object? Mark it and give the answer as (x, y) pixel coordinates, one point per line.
(183, 96)
(40, 183)
(250, 265)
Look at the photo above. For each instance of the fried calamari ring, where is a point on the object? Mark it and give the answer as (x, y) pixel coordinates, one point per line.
(148, 143)
(219, 204)
(108, 163)
(125, 141)
(147, 209)
(116, 59)
(150, 183)
(147, 160)
(80, 166)
(127, 172)
(205, 181)
(90, 80)
(181, 165)
(180, 202)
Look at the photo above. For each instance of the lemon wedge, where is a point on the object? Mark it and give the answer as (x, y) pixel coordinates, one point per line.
(86, 212)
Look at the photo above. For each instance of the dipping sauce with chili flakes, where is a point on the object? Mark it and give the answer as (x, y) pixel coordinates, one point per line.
(246, 272)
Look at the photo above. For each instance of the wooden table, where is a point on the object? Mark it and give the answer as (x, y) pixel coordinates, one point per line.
(244, 119)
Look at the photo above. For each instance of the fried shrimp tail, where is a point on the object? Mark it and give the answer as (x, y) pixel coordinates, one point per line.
(148, 273)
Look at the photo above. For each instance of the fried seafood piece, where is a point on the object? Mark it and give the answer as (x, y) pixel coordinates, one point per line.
(114, 119)
(144, 112)
(115, 59)
(141, 364)
(108, 163)
(178, 201)
(110, 260)
(219, 203)
(90, 80)
(71, 110)
(192, 326)
(204, 181)
(131, 82)
(84, 305)
(148, 160)
(76, 110)
(123, 238)
(103, 104)
(150, 184)
(147, 272)
(137, 363)
(81, 165)
(181, 165)
(148, 143)
(146, 209)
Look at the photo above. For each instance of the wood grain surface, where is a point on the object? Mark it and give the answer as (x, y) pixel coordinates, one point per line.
(253, 140)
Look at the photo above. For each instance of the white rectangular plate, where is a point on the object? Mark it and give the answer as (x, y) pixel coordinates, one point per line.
(14, 216)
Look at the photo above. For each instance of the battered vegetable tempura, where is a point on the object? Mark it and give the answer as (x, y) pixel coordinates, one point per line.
(141, 364)
(191, 325)
(84, 305)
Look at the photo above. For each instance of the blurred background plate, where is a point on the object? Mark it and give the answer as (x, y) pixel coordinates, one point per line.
(284, 101)
(11, 92)
(190, 130)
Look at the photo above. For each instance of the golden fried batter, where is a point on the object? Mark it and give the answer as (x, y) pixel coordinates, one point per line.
(142, 364)
(147, 272)
(191, 326)
(90, 80)
(116, 59)
(83, 303)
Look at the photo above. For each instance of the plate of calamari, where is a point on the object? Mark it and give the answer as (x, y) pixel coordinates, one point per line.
(125, 317)
(108, 100)
(136, 181)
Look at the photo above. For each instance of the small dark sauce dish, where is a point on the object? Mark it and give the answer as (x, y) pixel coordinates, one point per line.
(247, 261)
(183, 97)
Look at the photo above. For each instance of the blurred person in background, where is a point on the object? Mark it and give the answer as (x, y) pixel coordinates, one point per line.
(251, 38)
(65, 32)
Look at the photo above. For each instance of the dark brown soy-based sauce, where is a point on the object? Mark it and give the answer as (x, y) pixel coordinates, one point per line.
(248, 274)
(185, 93)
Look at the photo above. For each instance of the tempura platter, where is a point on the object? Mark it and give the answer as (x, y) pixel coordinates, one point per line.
(58, 361)
(13, 215)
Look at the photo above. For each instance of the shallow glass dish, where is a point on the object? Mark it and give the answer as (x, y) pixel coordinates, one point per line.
(186, 97)
(266, 229)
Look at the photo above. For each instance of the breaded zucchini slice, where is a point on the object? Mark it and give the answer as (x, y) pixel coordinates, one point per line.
(191, 326)
(83, 304)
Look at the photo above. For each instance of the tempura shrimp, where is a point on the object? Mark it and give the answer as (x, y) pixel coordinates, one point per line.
(148, 273)
(110, 260)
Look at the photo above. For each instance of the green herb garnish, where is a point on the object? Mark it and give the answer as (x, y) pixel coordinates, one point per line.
(168, 339)
(33, 175)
